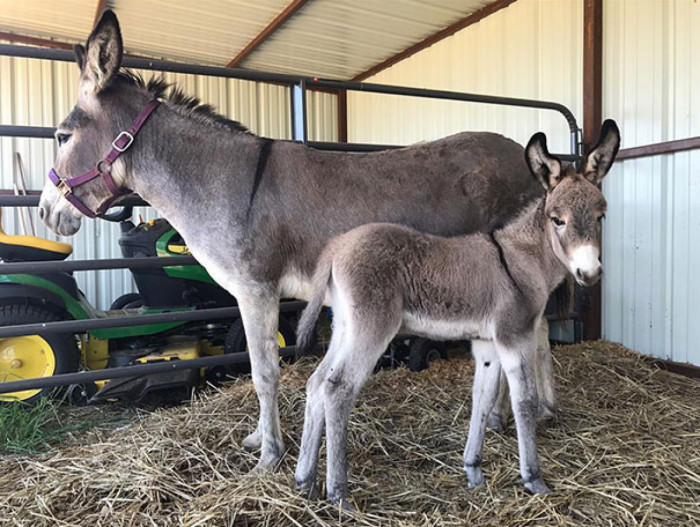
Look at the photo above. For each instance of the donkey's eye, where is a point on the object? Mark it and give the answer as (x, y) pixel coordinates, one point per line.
(62, 138)
(558, 222)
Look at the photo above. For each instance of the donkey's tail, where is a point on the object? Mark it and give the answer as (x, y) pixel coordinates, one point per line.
(319, 284)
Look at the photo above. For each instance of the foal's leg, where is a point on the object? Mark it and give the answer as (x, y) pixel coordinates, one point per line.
(315, 416)
(517, 361)
(498, 418)
(546, 408)
(484, 392)
(260, 315)
(350, 370)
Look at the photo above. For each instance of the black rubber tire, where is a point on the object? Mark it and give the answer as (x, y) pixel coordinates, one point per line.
(236, 342)
(423, 351)
(63, 345)
(129, 300)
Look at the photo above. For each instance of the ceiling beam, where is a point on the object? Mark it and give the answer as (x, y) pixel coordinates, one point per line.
(35, 41)
(437, 37)
(101, 6)
(273, 26)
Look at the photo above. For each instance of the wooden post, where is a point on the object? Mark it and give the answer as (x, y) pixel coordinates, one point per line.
(592, 120)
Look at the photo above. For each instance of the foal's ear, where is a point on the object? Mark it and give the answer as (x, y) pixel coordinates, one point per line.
(600, 159)
(103, 56)
(544, 166)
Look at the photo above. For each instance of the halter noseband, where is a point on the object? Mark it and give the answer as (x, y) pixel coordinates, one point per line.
(103, 168)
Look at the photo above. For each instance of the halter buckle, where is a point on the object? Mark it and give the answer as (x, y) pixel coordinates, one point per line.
(63, 187)
(129, 140)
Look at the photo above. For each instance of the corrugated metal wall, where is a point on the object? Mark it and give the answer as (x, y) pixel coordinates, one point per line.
(651, 289)
(41, 93)
(531, 49)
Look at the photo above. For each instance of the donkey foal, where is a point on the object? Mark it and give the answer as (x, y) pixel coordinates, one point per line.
(491, 288)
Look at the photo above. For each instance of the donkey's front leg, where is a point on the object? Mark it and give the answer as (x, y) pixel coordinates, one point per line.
(517, 360)
(486, 385)
(260, 315)
(546, 408)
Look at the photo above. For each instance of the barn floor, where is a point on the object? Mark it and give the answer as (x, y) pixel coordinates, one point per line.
(626, 451)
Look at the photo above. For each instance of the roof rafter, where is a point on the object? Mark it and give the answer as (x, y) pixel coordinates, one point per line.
(35, 41)
(440, 35)
(273, 26)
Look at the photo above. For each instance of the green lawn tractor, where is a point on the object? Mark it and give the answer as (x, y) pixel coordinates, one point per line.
(52, 296)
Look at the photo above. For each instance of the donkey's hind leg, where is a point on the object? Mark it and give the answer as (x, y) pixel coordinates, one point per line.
(315, 417)
(351, 369)
(498, 418)
(546, 408)
(484, 393)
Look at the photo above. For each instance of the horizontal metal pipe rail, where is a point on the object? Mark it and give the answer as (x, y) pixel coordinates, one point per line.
(310, 82)
(145, 262)
(32, 200)
(77, 326)
(140, 370)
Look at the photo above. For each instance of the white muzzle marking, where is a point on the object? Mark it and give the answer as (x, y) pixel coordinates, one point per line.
(585, 262)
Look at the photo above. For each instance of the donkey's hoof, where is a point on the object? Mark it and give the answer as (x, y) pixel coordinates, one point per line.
(344, 505)
(475, 477)
(307, 488)
(253, 441)
(496, 422)
(537, 486)
(546, 413)
(267, 463)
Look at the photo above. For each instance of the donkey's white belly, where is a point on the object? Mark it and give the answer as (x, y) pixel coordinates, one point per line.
(447, 329)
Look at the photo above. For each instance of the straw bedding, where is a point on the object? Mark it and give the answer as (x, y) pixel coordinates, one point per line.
(626, 451)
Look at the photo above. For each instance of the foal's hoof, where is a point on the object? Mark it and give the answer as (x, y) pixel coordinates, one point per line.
(307, 489)
(537, 486)
(496, 422)
(475, 477)
(344, 505)
(253, 441)
(267, 463)
(546, 413)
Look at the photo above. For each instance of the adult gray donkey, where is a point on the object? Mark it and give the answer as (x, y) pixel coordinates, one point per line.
(274, 204)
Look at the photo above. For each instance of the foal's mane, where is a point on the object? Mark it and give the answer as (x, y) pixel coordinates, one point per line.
(186, 105)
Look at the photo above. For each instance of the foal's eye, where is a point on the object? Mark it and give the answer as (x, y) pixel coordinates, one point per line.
(62, 138)
(558, 222)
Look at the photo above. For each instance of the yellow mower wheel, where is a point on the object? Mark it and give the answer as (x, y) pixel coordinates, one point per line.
(33, 356)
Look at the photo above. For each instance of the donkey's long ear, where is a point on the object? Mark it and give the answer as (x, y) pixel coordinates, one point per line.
(101, 61)
(600, 159)
(544, 166)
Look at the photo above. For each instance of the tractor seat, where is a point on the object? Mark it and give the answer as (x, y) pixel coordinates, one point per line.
(31, 248)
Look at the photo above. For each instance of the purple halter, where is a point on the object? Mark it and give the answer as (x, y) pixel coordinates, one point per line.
(103, 168)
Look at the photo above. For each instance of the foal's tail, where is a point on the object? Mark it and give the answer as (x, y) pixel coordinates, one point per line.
(319, 284)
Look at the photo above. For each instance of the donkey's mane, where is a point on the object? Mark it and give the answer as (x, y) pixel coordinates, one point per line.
(186, 105)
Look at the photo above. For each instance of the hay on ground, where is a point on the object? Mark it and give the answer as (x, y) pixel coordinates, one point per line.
(626, 451)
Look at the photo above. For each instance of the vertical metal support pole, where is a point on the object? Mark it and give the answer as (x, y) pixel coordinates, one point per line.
(298, 94)
(592, 119)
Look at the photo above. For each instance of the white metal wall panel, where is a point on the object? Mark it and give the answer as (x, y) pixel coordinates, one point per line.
(531, 49)
(651, 288)
(322, 116)
(41, 93)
